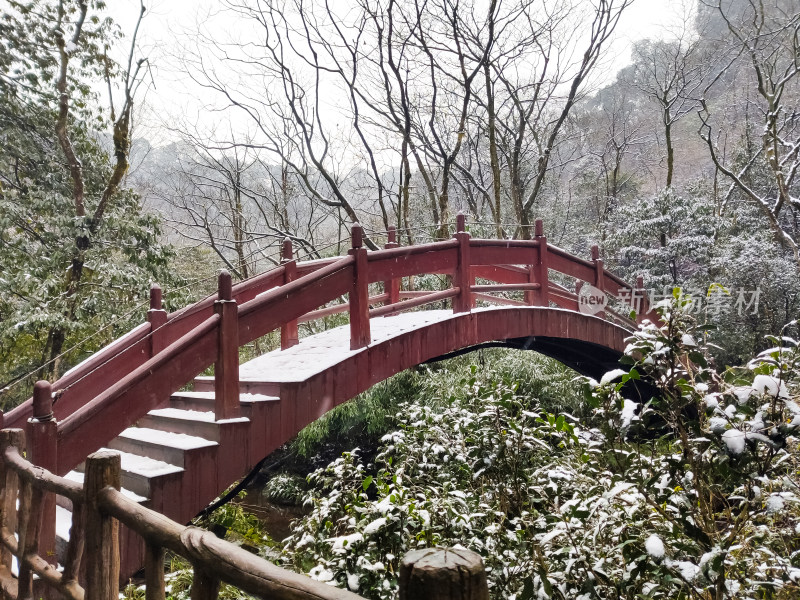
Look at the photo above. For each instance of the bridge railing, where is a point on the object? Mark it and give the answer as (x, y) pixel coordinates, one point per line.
(94, 552)
(139, 371)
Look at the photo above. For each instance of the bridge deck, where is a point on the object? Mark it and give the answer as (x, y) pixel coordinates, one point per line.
(318, 352)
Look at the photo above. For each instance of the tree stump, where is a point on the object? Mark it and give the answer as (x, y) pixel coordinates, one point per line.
(443, 574)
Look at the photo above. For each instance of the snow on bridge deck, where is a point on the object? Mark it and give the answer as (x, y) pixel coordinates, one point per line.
(319, 352)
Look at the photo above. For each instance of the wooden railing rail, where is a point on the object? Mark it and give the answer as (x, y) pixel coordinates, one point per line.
(25, 486)
(99, 507)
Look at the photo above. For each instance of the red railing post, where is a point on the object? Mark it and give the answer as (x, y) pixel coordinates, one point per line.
(226, 368)
(462, 278)
(156, 316)
(43, 443)
(360, 335)
(391, 287)
(538, 272)
(289, 332)
(640, 302)
(599, 278)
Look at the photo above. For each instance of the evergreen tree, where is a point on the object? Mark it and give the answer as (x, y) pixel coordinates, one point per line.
(76, 251)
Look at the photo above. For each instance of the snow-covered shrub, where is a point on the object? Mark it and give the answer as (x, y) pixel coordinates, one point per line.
(491, 473)
(689, 494)
(285, 488)
(714, 455)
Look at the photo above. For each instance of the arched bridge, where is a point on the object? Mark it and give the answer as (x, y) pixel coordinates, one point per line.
(180, 449)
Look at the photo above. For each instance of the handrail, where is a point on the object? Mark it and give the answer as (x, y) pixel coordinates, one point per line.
(130, 398)
(207, 553)
(24, 489)
(17, 416)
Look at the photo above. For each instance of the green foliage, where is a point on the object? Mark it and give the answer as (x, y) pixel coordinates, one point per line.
(603, 507)
(64, 276)
(239, 525)
(713, 455)
(364, 419)
(285, 488)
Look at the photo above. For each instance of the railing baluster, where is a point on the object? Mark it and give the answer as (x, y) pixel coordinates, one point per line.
(226, 367)
(360, 335)
(43, 439)
(599, 278)
(539, 271)
(10, 491)
(642, 307)
(157, 317)
(155, 585)
(289, 332)
(102, 531)
(77, 537)
(462, 278)
(392, 286)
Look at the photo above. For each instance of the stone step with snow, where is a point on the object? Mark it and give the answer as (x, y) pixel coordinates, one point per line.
(204, 401)
(138, 472)
(160, 445)
(205, 383)
(190, 422)
(77, 477)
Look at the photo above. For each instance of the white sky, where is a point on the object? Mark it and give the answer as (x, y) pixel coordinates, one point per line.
(173, 95)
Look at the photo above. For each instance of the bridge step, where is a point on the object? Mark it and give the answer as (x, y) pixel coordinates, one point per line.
(204, 401)
(139, 472)
(159, 445)
(188, 422)
(77, 477)
(204, 383)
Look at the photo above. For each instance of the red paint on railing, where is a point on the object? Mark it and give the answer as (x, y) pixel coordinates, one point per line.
(120, 383)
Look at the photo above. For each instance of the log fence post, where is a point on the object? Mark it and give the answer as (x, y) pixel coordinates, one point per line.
(391, 287)
(204, 586)
(226, 367)
(599, 277)
(539, 271)
(10, 490)
(155, 583)
(463, 277)
(289, 331)
(360, 335)
(157, 317)
(43, 440)
(102, 531)
(443, 574)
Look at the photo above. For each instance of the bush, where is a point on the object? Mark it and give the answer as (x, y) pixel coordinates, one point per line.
(702, 503)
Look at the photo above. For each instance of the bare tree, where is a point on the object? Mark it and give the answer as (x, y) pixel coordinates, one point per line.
(763, 53)
(70, 32)
(671, 73)
(222, 195)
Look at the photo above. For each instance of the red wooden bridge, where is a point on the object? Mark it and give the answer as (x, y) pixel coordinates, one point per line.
(180, 449)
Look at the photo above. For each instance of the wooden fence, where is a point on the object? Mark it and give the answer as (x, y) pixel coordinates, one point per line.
(91, 567)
